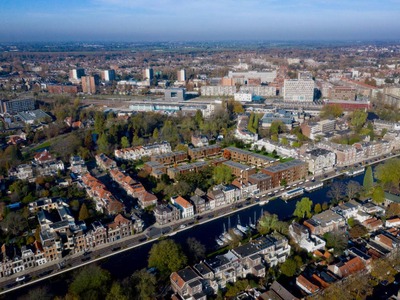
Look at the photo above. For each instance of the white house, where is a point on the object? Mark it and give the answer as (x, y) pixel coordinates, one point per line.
(184, 206)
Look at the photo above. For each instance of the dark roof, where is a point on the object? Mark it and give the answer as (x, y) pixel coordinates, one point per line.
(246, 250)
(283, 293)
(202, 269)
(187, 274)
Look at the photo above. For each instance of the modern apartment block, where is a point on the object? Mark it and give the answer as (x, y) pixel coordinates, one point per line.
(76, 73)
(15, 106)
(298, 90)
(148, 74)
(253, 159)
(239, 170)
(88, 84)
(108, 75)
(243, 77)
(169, 159)
(182, 75)
(345, 154)
(342, 93)
(218, 90)
(260, 90)
(263, 181)
(290, 171)
(204, 152)
(320, 160)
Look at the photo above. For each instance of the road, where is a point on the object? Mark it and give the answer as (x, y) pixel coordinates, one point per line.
(148, 236)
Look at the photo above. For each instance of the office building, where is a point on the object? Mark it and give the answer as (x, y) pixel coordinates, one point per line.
(243, 97)
(182, 75)
(175, 94)
(15, 106)
(108, 75)
(298, 90)
(76, 73)
(88, 84)
(29, 117)
(244, 77)
(259, 90)
(148, 74)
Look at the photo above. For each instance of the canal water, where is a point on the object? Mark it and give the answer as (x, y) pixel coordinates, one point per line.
(124, 264)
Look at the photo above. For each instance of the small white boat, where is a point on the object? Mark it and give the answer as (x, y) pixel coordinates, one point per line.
(228, 236)
(237, 232)
(307, 180)
(183, 226)
(282, 189)
(288, 187)
(223, 238)
(242, 228)
(301, 182)
(263, 202)
(292, 194)
(219, 242)
(252, 226)
(294, 185)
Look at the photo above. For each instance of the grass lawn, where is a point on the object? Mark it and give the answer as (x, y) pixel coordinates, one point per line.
(45, 145)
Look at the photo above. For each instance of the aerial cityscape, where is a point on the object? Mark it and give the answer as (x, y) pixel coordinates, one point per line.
(199, 150)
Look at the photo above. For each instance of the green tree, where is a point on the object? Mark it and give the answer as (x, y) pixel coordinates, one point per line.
(383, 132)
(103, 144)
(284, 182)
(371, 131)
(90, 283)
(378, 195)
(289, 267)
(352, 188)
(284, 141)
(198, 118)
(250, 124)
(317, 208)
(222, 174)
(388, 173)
(393, 210)
(358, 119)
(331, 111)
(124, 142)
(324, 206)
(196, 250)
(296, 144)
(368, 182)
(303, 208)
(256, 122)
(167, 256)
(277, 127)
(181, 147)
(336, 240)
(99, 122)
(144, 284)
(116, 293)
(156, 134)
(83, 213)
(238, 108)
(89, 143)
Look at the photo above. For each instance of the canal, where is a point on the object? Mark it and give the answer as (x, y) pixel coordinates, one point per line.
(124, 264)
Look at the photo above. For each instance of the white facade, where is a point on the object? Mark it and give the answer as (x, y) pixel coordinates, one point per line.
(264, 76)
(218, 90)
(261, 90)
(302, 237)
(281, 149)
(246, 136)
(298, 90)
(320, 160)
(182, 75)
(243, 97)
(108, 75)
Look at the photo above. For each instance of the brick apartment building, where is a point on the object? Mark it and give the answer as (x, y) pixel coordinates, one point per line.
(263, 181)
(241, 171)
(290, 171)
(169, 159)
(204, 152)
(342, 93)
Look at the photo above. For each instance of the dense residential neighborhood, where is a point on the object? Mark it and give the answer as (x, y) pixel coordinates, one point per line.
(254, 174)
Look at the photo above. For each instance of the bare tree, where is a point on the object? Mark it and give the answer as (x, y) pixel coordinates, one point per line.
(352, 188)
(337, 191)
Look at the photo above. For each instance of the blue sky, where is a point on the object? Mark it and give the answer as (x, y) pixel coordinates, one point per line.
(155, 20)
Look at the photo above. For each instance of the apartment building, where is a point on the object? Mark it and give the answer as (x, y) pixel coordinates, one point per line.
(135, 153)
(324, 222)
(76, 73)
(248, 157)
(108, 75)
(104, 162)
(89, 84)
(181, 75)
(319, 160)
(263, 181)
(17, 105)
(270, 146)
(259, 90)
(184, 206)
(218, 90)
(166, 213)
(169, 159)
(342, 93)
(241, 171)
(291, 171)
(345, 154)
(204, 152)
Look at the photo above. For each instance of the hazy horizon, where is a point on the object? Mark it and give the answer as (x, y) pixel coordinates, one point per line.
(179, 20)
